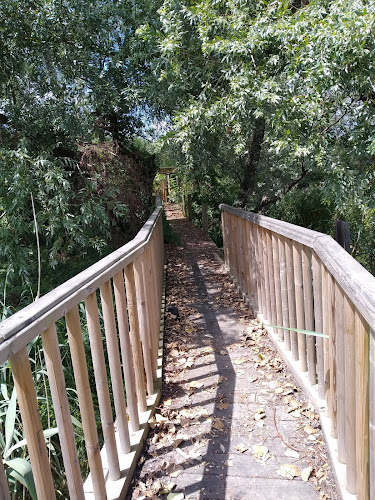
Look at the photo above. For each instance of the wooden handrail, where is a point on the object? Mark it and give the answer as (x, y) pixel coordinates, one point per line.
(297, 278)
(131, 339)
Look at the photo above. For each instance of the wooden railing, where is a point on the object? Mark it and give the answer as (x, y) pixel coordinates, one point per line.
(300, 279)
(129, 283)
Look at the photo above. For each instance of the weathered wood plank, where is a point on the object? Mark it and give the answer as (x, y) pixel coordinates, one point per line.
(309, 313)
(300, 310)
(318, 319)
(284, 292)
(291, 297)
(340, 372)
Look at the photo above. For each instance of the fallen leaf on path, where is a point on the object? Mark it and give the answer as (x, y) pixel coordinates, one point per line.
(259, 414)
(242, 448)
(305, 473)
(240, 361)
(223, 406)
(309, 430)
(223, 353)
(218, 424)
(228, 463)
(291, 453)
(260, 453)
(175, 496)
(196, 384)
(252, 379)
(240, 372)
(288, 470)
(208, 349)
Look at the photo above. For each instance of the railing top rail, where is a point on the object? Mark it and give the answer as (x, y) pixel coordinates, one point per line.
(18, 330)
(354, 279)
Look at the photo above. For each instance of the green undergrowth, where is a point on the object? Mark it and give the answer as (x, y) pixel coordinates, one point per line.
(169, 235)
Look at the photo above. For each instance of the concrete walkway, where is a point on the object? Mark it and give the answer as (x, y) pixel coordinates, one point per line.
(232, 422)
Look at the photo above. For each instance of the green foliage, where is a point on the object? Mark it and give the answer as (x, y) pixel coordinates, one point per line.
(169, 235)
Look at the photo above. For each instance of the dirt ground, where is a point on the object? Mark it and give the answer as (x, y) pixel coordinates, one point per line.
(232, 422)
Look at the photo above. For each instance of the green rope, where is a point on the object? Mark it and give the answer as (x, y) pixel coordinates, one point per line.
(305, 332)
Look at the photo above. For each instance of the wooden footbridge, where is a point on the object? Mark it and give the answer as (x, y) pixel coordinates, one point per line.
(318, 305)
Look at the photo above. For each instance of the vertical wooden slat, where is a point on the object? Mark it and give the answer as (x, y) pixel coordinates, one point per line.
(62, 412)
(362, 407)
(236, 249)
(291, 297)
(309, 313)
(81, 377)
(101, 382)
(242, 255)
(318, 318)
(115, 366)
(284, 292)
(271, 278)
(134, 337)
(332, 355)
(126, 351)
(372, 410)
(225, 240)
(143, 321)
(248, 264)
(4, 490)
(32, 425)
(254, 273)
(261, 278)
(326, 326)
(151, 294)
(266, 264)
(350, 396)
(276, 277)
(340, 372)
(300, 309)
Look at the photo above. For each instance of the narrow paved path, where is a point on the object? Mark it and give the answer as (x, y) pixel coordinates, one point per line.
(232, 424)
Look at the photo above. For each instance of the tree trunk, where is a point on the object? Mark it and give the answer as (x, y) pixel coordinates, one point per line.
(251, 161)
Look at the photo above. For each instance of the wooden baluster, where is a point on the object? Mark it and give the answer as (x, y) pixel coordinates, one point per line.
(253, 264)
(340, 372)
(309, 313)
(134, 337)
(126, 351)
(248, 264)
(4, 490)
(332, 355)
(158, 285)
(300, 309)
(225, 240)
(260, 266)
(372, 410)
(62, 412)
(326, 331)
(350, 396)
(318, 318)
(266, 264)
(276, 275)
(143, 321)
(101, 381)
(362, 407)
(291, 297)
(32, 425)
(236, 240)
(271, 279)
(241, 256)
(81, 377)
(115, 366)
(284, 292)
(151, 294)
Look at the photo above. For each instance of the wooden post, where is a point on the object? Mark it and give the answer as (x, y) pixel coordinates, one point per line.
(291, 297)
(134, 336)
(205, 219)
(271, 277)
(81, 377)
(318, 317)
(309, 313)
(126, 351)
(242, 255)
(261, 277)
(101, 381)
(284, 292)
(224, 228)
(190, 211)
(62, 413)
(340, 372)
(254, 268)
(276, 277)
(350, 396)
(139, 276)
(342, 234)
(332, 355)
(267, 294)
(372, 410)
(32, 425)
(362, 407)
(300, 309)
(326, 331)
(115, 366)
